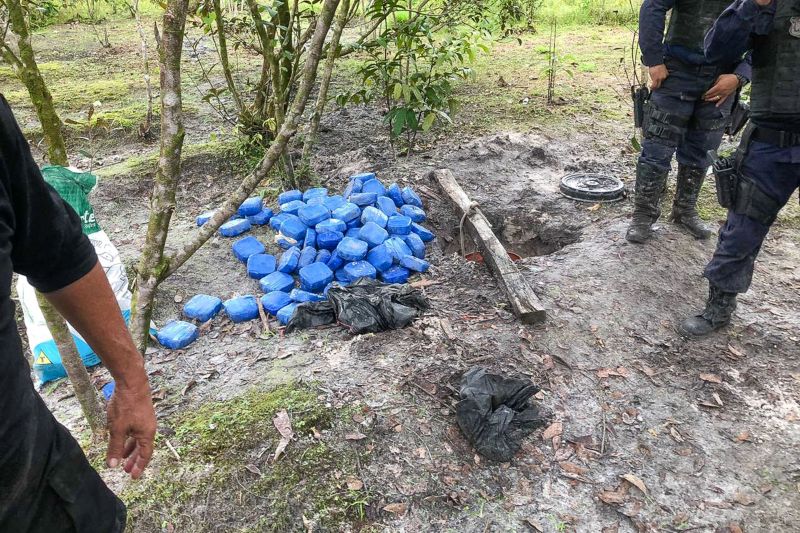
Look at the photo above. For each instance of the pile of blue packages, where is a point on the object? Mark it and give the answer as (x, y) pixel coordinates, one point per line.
(373, 229)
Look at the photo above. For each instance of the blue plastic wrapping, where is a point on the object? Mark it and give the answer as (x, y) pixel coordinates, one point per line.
(363, 199)
(375, 215)
(276, 221)
(259, 219)
(316, 200)
(363, 177)
(398, 248)
(285, 314)
(329, 240)
(311, 215)
(293, 227)
(394, 192)
(380, 257)
(341, 276)
(260, 265)
(385, 204)
(410, 197)
(424, 233)
(204, 217)
(396, 274)
(413, 212)
(241, 308)
(323, 256)
(301, 296)
(375, 186)
(292, 207)
(360, 269)
(277, 281)
(244, 248)
(399, 225)
(335, 262)
(251, 206)
(355, 223)
(285, 242)
(316, 192)
(414, 263)
(346, 212)
(307, 256)
(202, 307)
(233, 228)
(274, 301)
(289, 260)
(289, 196)
(353, 233)
(315, 276)
(177, 335)
(332, 224)
(108, 390)
(352, 249)
(311, 239)
(373, 234)
(416, 245)
(334, 202)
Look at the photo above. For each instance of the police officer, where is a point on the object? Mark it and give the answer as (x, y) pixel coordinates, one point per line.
(688, 110)
(769, 156)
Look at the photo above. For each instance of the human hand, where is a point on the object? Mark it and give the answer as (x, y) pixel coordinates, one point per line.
(658, 74)
(132, 427)
(725, 86)
(763, 3)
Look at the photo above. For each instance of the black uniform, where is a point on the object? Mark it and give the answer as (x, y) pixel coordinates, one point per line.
(46, 483)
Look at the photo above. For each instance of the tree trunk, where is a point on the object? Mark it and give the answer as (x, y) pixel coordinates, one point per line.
(162, 202)
(322, 97)
(28, 72)
(145, 129)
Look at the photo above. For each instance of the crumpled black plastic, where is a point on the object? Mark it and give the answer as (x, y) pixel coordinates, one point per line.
(365, 306)
(494, 413)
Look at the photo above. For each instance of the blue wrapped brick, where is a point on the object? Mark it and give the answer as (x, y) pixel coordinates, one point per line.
(332, 224)
(410, 197)
(335, 262)
(276, 221)
(373, 234)
(272, 302)
(289, 260)
(311, 215)
(177, 335)
(424, 234)
(292, 207)
(363, 177)
(285, 314)
(289, 196)
(233, 228)
(285, 242)
(202, 307)
(380, 257)
(375, 215)
(355, 223)
(352, 249)
(346, 212)
(260, 265)
(251, 206)
(414, 263)
(375, 186)
(315, 276)
(360, 269)
(334, 202)
(244, 248)
(277, 281)
(395, 194)
(396, 274)
(311, 239)
(259, 219)
(242, 308)
(301, 296)
(416, 245)
(398, 248)
(323, 256)
(293, 227)
(399, 225)
(363, 199)
(204, 217)
(385, 204)
(316, 200)
(341, 276)
(413, 212)
(307, 256)
(353, 233)
(329, 240)
(317, 192)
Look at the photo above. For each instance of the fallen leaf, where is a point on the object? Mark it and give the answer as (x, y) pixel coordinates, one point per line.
(188, 386)
(636, 482)
(734, 351)
(536, 526)
(317, 434)
(744, 436)
(356, 435)
(353, 483)
(733, 527)
(711, 378)
(611, 496)
(396, 508)
(742, 498)
(675, 435)
(595, 207)
(254, 469)
(553, 430)
(620, 371)
(284, 426)
(572, 468)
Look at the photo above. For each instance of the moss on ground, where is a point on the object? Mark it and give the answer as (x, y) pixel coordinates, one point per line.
(221, 444)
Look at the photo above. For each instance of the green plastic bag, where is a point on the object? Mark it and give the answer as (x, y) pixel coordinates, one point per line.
(74, 188)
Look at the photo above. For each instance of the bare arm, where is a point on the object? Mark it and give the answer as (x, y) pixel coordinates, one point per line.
(90, 307)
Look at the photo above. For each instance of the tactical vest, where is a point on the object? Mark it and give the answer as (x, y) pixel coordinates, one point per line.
(776, 65)
(691, 19)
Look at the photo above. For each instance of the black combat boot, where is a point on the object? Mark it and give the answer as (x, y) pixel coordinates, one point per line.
(650, 183)
(719, 308)
(684, 208)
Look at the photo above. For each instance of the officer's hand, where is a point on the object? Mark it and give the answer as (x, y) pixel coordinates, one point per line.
(658, 74)
(132, 427)
(725, 86)
(763, 3)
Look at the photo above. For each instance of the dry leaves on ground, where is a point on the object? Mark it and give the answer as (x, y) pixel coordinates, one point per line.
(636, 482)
(353, 483)
(284, 427)
(396, 508)
(620, 371)
(553, 430)
(711, 378)
(355, 435)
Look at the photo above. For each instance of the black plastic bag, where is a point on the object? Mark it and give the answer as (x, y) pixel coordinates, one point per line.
(365, 306)
(495, 413)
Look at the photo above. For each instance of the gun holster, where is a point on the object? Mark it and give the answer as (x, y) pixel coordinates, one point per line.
(726, 176)
(641, 98)
(740, 114)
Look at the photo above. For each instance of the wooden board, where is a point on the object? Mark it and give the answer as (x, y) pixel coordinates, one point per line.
(524, 302)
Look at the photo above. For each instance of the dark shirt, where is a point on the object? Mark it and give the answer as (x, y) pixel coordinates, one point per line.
(732, 35)
(41, 238)
(652, 22)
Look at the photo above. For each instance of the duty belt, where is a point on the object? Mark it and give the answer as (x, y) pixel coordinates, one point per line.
(781, 139)
(698, 70)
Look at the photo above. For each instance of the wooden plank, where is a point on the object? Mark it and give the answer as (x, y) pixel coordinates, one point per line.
(524, 302)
